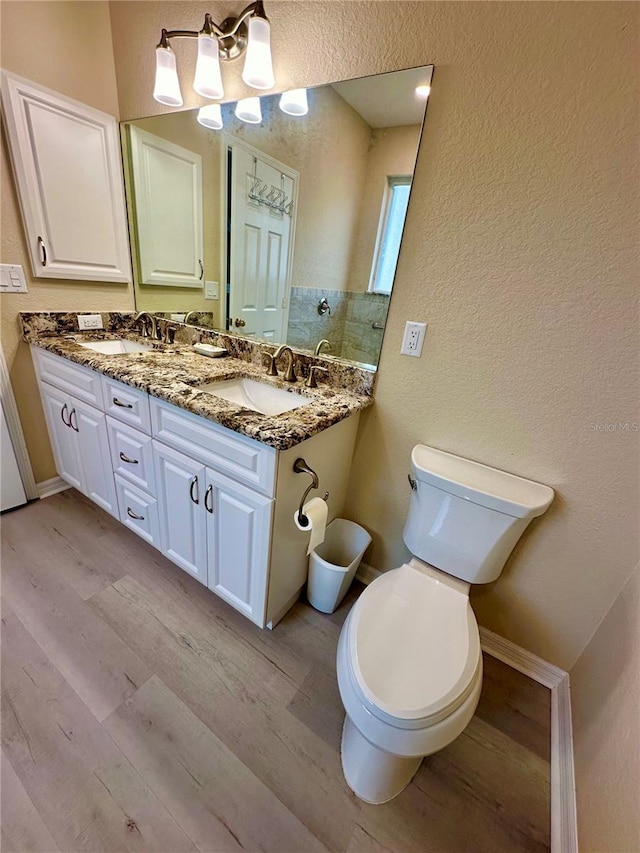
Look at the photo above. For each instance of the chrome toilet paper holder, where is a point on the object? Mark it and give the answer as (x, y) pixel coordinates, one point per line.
(301, 467)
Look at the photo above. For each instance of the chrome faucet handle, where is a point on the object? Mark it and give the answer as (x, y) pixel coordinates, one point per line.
(312, 379)
(170, 333)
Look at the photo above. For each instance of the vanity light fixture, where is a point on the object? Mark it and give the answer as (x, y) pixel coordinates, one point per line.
(248, 109)
(210, 116)
(422, 91)
(294, 102)
(225, 41)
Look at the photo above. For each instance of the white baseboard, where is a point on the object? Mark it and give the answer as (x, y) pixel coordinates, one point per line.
(564, 829)
(47, 488)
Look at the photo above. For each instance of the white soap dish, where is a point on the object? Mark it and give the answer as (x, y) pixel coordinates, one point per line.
(210, 351)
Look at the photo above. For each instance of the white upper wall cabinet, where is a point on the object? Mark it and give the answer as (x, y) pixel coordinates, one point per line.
(68, 169)
(167, 183)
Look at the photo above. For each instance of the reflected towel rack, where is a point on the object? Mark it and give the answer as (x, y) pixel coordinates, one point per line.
(301, 467)
(377, 326)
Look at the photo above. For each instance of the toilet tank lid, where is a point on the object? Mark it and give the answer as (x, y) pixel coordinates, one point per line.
(479, 483)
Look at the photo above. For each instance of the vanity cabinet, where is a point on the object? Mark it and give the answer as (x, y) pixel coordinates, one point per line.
(80, 446)
(218, 504)
(68, 171)
(214, 528)
(181, 487)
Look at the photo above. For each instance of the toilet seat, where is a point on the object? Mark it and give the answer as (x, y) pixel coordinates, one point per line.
(413, 647)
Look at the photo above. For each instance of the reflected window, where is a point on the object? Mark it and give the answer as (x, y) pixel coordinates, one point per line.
(392, 216)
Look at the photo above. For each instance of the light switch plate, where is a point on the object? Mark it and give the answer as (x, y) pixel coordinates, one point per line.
(89, 321)
(211, 290)
(12, 279)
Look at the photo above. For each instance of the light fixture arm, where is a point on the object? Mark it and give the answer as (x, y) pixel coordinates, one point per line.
(231, 33)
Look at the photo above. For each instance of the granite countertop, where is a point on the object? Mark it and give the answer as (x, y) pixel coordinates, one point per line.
(173, 372)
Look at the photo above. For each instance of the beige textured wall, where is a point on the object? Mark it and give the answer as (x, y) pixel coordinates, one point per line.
(67, 47)
(605, 698)
(392, 151)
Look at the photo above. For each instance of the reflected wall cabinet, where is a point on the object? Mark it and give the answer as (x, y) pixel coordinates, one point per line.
(68, 173)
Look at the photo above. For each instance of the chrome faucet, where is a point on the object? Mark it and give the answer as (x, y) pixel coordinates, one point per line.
(148, 325)
(272, 370)
(323, 343)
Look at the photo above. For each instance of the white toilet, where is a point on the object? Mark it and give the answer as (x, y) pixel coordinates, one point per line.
(409, 658)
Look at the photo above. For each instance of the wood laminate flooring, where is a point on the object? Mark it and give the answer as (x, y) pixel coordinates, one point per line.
(142, 713)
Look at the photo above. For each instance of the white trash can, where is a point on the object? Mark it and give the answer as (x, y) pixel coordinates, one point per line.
(332, 565)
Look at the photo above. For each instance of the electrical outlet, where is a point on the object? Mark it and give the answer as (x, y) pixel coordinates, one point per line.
(211, 290)
(413, 339)
(89, 321)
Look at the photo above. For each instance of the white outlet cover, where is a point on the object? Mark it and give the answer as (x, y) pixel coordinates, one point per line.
(89, 321)
(413, 339)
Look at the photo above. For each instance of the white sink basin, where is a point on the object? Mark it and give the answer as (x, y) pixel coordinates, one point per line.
(115, 347)
(257, 396)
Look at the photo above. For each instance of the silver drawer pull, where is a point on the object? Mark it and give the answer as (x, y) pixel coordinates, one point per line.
(133, 515)
(64, 420)
(74, 426)
(208, 494)
(126, 459)
(117, 402)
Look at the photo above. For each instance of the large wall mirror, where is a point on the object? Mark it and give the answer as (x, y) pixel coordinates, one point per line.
(282, 227)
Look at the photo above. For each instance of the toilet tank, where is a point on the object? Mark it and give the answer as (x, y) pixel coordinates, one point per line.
(465, 518)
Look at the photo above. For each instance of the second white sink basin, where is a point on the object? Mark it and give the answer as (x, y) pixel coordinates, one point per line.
(262, 398)
(116, 347)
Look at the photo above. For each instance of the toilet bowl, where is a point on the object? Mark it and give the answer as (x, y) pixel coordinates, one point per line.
(409, 673)
(409, 661)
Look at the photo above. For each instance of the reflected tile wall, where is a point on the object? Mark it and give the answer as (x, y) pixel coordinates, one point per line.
(349, 326)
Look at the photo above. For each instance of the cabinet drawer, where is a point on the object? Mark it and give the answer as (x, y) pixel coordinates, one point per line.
(127, 404)
(80, 381)
(132, 455)
(138, 511)
(242, 458)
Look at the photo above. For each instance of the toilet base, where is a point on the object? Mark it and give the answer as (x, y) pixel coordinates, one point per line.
(373, 775)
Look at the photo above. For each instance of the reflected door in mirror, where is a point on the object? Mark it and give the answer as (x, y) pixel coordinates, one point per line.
(260, 247)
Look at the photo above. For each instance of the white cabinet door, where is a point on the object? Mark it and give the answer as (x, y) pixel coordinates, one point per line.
(67, 164)
(65, 447)
(90, 427)
(167, 183)
(238, 536)
(180, 484)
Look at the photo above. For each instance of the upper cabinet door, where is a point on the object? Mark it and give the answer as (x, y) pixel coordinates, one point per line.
(167, 181)
(67, 164)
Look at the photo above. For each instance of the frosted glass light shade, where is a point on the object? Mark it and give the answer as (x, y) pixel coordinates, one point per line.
(210, 116)
(258, 70)
(248, 109)
(294, 102)
(208, 79)
(167, 86)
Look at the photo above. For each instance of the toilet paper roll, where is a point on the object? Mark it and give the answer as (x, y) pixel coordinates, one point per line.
(316, 511)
